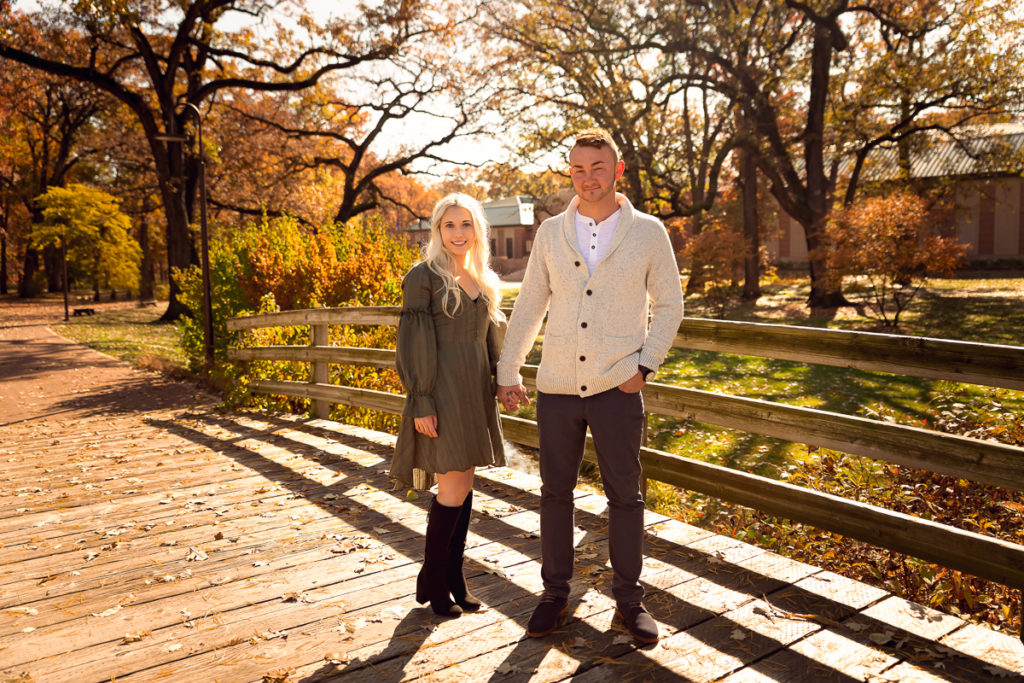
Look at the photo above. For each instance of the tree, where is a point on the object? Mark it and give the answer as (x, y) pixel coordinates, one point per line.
(161, 61)
(575, 64)
(793, 67)
(89, 225)
(47, 122)
(886, 242)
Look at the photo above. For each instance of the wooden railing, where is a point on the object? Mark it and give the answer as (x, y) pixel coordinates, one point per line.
(974, 459)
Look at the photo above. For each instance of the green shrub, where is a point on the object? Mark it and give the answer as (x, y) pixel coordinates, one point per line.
(277, 264)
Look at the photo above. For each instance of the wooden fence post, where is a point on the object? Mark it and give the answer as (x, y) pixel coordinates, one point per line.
(320, 374)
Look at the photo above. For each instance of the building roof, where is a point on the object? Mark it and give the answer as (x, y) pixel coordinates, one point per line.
(500, 213)
(978, 150)
(509, 211)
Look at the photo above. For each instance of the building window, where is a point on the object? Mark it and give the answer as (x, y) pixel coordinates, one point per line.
(509, 242)
(527, 246)
(494, 247)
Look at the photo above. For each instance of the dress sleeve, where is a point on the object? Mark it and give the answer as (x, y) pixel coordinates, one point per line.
(416, 348)
(495, 339)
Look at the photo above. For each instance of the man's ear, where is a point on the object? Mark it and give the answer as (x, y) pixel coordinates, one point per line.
(620, 167)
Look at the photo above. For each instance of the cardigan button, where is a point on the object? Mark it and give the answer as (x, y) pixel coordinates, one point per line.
(577, 264)
(583, 357)
(583, 388)
(589, 292)
(583, 324)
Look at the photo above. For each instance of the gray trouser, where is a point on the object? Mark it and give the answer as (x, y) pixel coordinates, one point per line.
(616, 423)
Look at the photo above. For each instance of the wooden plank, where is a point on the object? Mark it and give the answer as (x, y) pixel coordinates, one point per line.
(365, 398)
(995, 365)
(979, 460)
(983, 556)
(342, 355)
(980, 555)
(362, 315)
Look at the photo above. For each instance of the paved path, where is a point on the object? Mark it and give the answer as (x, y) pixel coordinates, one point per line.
(146, 536)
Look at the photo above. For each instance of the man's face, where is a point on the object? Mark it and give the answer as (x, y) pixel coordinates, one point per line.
(594, 172)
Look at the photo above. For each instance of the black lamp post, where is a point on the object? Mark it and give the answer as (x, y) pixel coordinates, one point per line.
(204, 238)
(204, 241)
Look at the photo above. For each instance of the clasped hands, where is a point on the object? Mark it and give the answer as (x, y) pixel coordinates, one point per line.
(512, 397)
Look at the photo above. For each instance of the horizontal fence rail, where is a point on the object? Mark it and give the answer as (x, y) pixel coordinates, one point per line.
(978, 460)
(995, 365)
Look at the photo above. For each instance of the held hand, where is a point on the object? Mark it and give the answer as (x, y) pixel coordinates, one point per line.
(633, 384)
(427, 425)
(512, 396)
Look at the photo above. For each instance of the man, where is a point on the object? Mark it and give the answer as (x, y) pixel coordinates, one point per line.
(596, 269)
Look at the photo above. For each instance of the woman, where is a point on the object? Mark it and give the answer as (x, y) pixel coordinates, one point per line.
(449, 340)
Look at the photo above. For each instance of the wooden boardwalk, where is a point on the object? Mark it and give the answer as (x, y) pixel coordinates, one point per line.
(195, 545)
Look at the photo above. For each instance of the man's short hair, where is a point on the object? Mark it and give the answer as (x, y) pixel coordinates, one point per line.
(596, 137)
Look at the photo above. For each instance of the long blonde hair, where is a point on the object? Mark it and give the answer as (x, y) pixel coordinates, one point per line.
(441, 261)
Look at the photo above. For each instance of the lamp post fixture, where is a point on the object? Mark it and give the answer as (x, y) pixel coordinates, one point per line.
(204, 237)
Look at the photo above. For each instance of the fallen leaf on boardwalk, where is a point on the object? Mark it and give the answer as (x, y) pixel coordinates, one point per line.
(267, 635)
(133, 637)
(505, 668)
(30, 611)
(622, 639)
(999, 672)
(278, 676)
(337, 658)
(737, 634)
(28, 629)
(196, 555)
(167, 578)
(855, 626)
(107, 612)
(174, 647)
(91, 556)
(395, 612)
(880, 638)
(259, 563)
(576, 642)
(378, 530)
(218, 536)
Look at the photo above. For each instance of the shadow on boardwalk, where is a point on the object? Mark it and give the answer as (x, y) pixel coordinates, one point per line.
(141, 541)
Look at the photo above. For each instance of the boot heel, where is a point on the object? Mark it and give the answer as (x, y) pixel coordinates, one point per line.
(421, 590)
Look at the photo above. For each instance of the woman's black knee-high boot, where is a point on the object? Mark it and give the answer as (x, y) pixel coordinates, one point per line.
(431, 584)
(456, 580)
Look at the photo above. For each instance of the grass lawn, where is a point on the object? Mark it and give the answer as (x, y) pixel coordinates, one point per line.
(130, 333)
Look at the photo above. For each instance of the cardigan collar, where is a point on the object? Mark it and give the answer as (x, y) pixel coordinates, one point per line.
(621, 228)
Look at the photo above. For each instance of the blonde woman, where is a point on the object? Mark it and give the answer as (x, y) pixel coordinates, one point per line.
(449, 340)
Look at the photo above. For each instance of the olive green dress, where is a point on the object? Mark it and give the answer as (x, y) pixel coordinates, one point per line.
(447, 367)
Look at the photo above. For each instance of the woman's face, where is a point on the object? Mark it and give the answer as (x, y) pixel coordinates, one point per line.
(457, 233)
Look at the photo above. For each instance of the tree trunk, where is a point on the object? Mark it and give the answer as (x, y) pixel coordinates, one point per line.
(146, 267)
(3, 247)
(751, 239)
(181, 252)
(52, 266)
(28, 287)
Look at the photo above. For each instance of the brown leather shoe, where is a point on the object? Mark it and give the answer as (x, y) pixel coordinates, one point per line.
(547, 616)
(638, 621)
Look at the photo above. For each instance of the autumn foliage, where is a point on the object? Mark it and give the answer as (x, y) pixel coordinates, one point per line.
(277, 264)
(888, 248)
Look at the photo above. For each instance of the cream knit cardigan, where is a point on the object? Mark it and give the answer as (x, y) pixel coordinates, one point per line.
(597, 332)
